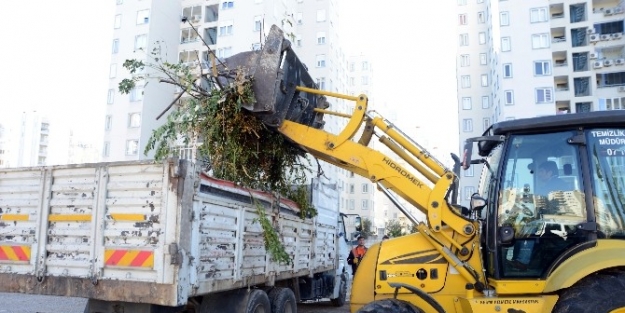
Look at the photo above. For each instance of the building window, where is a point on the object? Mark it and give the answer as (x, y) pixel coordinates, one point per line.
(540, 41)
(113, 71)
(118, 21)
(321, 60)
(365, 188)
(466, 103)
(132, 147)
(507, 70)
(485, 123)
(482, 37)
(115, 46)
(134, 120)
(365, 80)
(365, 204)
(462, 2)
(466, 81)
(224, 52)
(464, 60)
(258, 23)
(352, 204)
(484, 80)
(462, 19)
(468, 191)
(143, 17)
(226, 29)
(544, 95)
(188, 35)
(581, 107)
(298, 18)
(508, 96)
(321, 83)
(106, 149)
(467, 125)
(485, 102)
(352, 188)
(469, 172)
(538, 15)
(110, 97)
(136, 94)
(542, 68)
(227, 5)
(365, 65)
(108, 122)
(505, 44)
(321, 38)
(481, 17)
(483, 59)
(321, 15)
(504, 19)
(464, 39)
(120, 2)
(141, 42)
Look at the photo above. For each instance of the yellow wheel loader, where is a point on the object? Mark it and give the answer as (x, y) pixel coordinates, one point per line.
(544, 233)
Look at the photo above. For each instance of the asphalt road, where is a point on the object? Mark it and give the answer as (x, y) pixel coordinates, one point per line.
(21, 303)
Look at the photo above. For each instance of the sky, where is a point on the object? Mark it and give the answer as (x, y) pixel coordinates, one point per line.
(56, 55)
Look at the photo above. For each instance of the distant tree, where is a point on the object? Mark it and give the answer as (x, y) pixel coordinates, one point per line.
(393, 228)
(366, 228)
(413, 229)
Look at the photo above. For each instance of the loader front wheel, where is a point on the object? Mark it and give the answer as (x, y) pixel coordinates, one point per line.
(594, 294)
(389, 306)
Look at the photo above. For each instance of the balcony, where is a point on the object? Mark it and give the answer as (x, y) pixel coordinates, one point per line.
(563, 107)
(561, 83)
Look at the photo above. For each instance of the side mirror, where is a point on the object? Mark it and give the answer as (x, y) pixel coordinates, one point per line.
(358, 224)
(467, 154)
(477, 202)
(506, 234)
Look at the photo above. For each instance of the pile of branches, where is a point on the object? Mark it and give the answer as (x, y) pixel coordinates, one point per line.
(234, 144)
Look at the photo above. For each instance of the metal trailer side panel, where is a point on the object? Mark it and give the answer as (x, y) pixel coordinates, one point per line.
(231, 252)
(103, 231)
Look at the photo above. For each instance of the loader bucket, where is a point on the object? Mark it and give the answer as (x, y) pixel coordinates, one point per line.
(276, 71)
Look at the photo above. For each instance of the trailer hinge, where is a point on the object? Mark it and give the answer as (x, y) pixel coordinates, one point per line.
(176, 255)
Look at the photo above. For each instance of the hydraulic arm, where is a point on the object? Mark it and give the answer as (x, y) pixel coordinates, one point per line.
(287, 99)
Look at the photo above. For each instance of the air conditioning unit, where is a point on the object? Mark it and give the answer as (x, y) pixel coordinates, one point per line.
(590, 31)
(593, 55)
(197, 18)
(621, 89)
(619, 10)
(619, 61)
(597, 64)
(616, 36)
(608, 11)
(594, 37)
(608, 62)
(606, 37)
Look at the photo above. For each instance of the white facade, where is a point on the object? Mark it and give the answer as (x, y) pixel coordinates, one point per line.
(24, 141)
(519, 59)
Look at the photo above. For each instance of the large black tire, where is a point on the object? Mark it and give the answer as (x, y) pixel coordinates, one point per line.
(340, 301)
(389, 306)
(236, 301)
(282, 300)
(258, 302)
(598, 293)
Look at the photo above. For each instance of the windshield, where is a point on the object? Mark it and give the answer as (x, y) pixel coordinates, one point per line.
(607, 166)
(541, 191)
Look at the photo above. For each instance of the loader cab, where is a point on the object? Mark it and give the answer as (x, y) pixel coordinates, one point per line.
(553, 186)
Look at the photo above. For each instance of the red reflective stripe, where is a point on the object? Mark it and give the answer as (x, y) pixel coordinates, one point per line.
(140, 258)
(114, 259)
(3, 255)
(20, 253)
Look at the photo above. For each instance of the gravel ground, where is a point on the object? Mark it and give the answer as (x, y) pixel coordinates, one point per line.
(21, 303)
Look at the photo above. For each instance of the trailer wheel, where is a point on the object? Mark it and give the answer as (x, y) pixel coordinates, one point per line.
(594, 294)
(340, 301)
(282, 300)
(258, 302)
(389, 306)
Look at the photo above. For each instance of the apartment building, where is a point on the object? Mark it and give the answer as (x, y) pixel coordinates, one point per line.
(227, 27)
(519, 59)
(24, 141)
